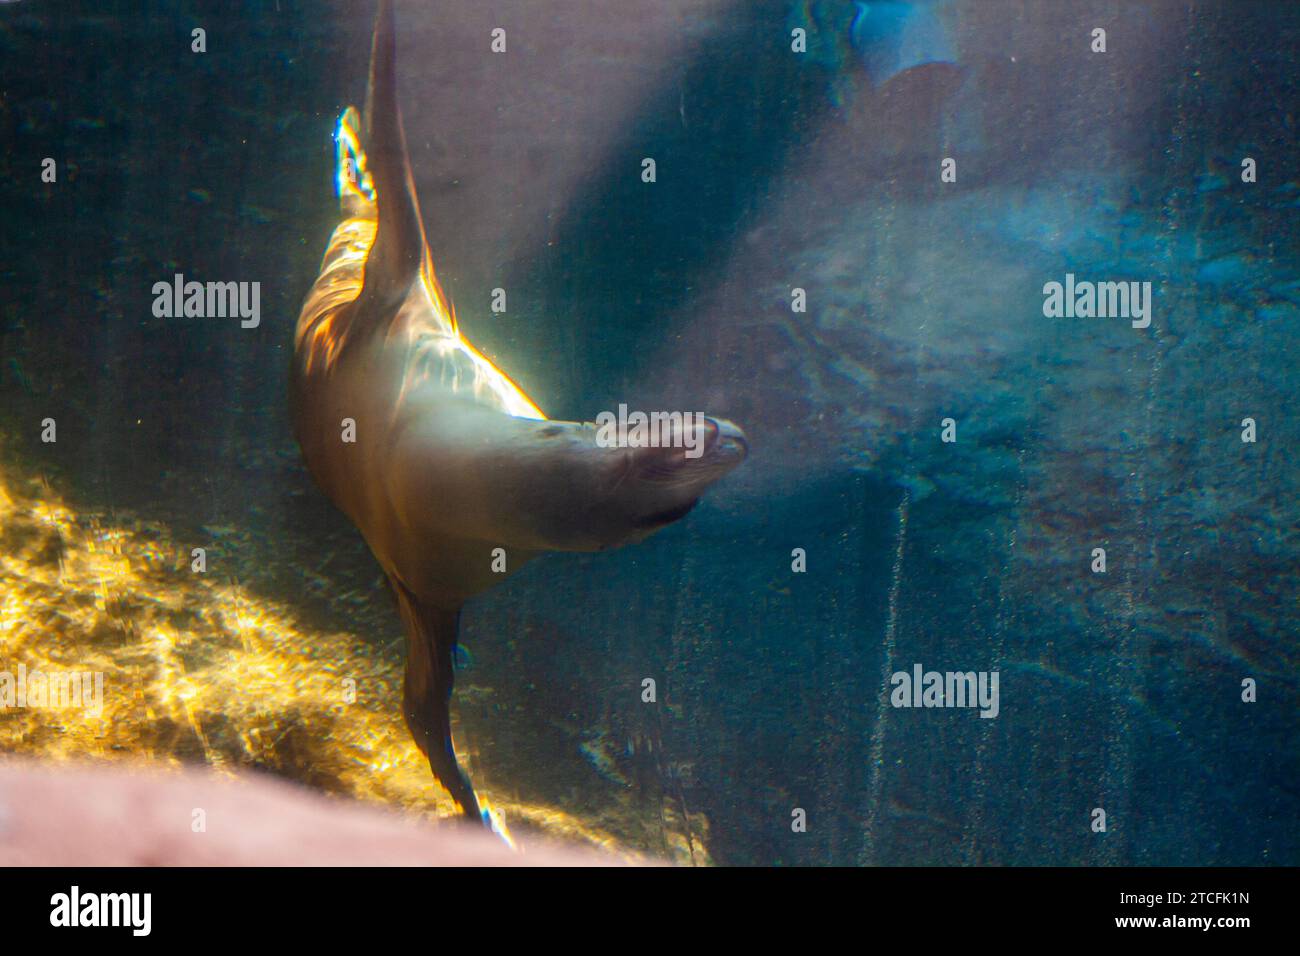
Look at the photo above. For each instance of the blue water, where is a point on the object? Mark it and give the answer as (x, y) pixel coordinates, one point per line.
(1120, 691)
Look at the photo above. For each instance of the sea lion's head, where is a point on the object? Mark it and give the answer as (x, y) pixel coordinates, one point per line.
(579, 487)
(660, 484)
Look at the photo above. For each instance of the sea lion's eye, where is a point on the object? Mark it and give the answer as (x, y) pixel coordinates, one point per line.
(551, 431)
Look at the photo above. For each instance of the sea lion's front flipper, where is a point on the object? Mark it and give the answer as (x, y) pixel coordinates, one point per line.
(398, 252)
(426, 699)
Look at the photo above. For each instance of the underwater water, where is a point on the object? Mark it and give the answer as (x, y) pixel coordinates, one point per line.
(935, 455)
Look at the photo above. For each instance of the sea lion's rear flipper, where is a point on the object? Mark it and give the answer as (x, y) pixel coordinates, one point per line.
(398, 252)
(426, 700)
(355, 187)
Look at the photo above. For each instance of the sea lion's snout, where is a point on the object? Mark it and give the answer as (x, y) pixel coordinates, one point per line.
(730, 441)
(667, 480)
(695, 453)
(718, 444)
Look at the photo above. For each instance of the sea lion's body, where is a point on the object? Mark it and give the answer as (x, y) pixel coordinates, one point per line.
(392, 384)
(434, 453)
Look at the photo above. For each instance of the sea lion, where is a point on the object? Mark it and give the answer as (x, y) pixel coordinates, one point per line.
(434, 453)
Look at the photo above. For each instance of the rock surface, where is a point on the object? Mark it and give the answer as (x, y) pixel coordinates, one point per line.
(84, 815)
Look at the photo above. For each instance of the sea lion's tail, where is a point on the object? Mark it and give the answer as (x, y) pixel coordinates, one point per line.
(426, 699)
